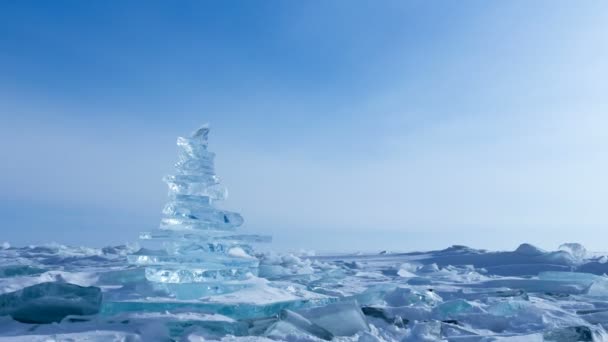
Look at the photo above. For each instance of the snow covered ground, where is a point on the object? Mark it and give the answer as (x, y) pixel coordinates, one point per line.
(61, 293)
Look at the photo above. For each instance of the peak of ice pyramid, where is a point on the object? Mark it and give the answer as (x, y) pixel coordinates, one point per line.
(202, 133)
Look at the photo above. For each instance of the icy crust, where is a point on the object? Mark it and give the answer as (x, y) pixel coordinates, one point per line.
(61, 293)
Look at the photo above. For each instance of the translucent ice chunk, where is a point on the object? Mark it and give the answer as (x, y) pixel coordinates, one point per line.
(204, 236)
(50, 302)
(285, 331)
(425, 332)
(215, 251)
(305, 325)
(598, 288)
(429, 268)
(375, 294)
(206, 262)
(194, 274)
(597, 285)
(406, 271)
(580, 333)
(260, 325)
(122, 277)
(341, 319)
(179, 323)
(203, 218)
(385, 315)
(509, 308)
(184, 185)
(19, 270)
(453, 308)
(402, 296)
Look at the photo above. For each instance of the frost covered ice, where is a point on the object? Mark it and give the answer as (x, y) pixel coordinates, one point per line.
(197, 278)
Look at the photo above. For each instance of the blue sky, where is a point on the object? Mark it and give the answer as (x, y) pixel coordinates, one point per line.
(339, 125)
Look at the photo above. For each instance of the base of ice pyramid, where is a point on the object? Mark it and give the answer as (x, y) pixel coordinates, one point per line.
(255, 298)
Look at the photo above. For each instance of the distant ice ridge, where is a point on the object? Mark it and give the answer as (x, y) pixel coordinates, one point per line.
(198, 241)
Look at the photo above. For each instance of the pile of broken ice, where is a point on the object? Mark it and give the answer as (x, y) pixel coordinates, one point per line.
(456, 294)
(197, 279)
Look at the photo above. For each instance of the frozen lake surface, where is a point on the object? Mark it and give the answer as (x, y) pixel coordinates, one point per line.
(62, 293)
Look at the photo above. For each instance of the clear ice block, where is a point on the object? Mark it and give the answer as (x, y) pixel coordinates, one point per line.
(196, 242)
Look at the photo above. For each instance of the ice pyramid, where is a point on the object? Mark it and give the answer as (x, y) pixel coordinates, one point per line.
(196, 242)
(196, 259)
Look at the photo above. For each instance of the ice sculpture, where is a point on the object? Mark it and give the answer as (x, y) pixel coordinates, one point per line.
(199, 242)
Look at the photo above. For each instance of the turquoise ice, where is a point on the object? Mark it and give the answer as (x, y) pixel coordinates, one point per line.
(197, 240)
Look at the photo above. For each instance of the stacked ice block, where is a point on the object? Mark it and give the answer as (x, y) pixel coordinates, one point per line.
(197, 243)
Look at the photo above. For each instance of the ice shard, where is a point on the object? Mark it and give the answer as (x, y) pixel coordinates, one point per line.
(50, 302)
(198, 241)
